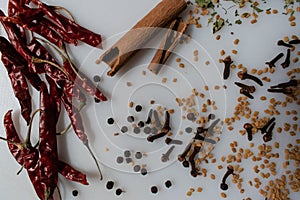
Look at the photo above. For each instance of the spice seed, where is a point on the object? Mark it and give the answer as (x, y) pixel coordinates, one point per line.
(136, 168)
(120, 159)
(110, 120)
(97, 78)
(75, 193)
(138, 155)
(154, 189)
(144, 171)
(127, 153)
(124, 129)
(109, 185)
(138, 108)
(168, 184)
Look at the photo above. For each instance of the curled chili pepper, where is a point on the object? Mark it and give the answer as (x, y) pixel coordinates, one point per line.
(72, 174)
(20, 88)
(70, 27)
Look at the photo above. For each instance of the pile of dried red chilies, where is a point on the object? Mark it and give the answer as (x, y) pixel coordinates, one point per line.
(25, 63)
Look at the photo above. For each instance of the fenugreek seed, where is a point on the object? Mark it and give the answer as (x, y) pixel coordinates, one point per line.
(212, 176)
(292, 23)
(223, 195)
(296, 59)
(181, 65)
(218, 37)
(274, 11)
(234, 51)
(263, 98)
(222, 52)
(199, 189)
(131, 104)
(178, 59)
(236, 41)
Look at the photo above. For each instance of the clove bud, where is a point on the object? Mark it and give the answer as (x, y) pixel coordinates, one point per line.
(274, 60)
(248, 128)
(162, 132)
(227, 62)
(282, 43)
(268, 136)
(229, 172)
(287, 61)
(244, 75)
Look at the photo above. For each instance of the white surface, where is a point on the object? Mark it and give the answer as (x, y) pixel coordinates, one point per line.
(111, 19)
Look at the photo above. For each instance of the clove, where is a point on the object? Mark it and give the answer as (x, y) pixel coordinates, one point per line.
(282, 43)
(194, 171)
(246, 93)
(244, 75)
(250, 88)
(148, 121)
(266, 126)
(157, 121)
(212, 126)
(181, 157)
(297, 41)
(281, 90)
(162, 132)
(274, 60)
(172, 141)
(229, 172)
(287, 61)
(248, 128)
(268, 136)
(227, 62)
(200, 137)
(166, 156)
(290, 83)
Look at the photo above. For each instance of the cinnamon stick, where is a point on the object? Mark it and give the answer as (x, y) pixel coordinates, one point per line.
(137, 36)
(172, 37)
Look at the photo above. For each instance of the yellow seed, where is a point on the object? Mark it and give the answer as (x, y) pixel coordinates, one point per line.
(199, 189)
(236, 41)
(223, 195)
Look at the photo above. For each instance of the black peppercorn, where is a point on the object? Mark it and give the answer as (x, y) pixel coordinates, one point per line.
(154, 189)
(138, 108)
(109, 185)
(130, 119)
(75, 193)
(119, 192)
(120, 159)
(124, 129)
(110, 120)
(97, 78)
(168, 183)
(141, 124)
(127, 153)
(96, 100)
(144, 171)
(138, 155)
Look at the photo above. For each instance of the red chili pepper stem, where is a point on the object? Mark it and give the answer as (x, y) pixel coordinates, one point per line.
(38, 60)
(80, 107)
(65, 10)
(94, 158)
(27, 142)
(19, 145)
(65, 58)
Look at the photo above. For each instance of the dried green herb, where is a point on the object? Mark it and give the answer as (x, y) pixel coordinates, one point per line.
(218, 24)
(205, 3)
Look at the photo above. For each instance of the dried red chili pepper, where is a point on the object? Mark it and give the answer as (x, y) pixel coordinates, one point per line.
(20, 88)
(48, 145)
(77, 125)
(72, 174)
(70, 27)
(24, 153)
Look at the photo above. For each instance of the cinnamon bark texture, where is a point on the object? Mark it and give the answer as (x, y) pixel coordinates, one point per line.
(132, 41)
(169, 42)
